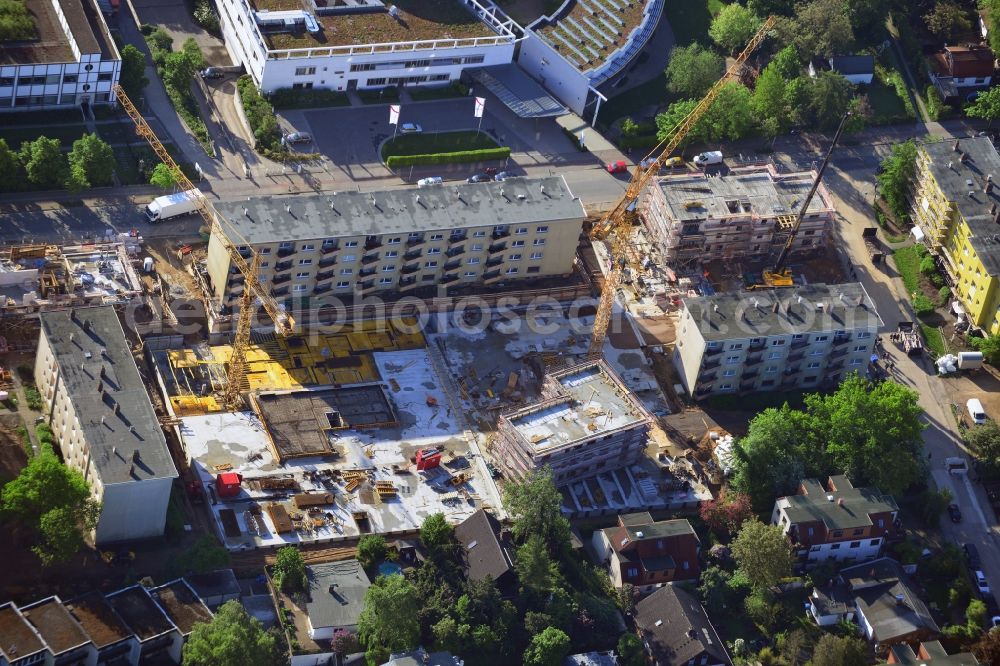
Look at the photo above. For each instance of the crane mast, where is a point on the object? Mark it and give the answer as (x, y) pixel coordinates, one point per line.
(618, 222)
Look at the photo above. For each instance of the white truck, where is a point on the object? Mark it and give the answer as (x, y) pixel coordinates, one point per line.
(708, 159)
(172, 205)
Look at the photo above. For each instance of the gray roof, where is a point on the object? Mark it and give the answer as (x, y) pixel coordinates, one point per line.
(519, 92)
(853, 64)
(591, 659)
(936, 654)
(957, 177)
(100, 376)
(218, 583)
(336, 593)
(485, 551)
(882, 592)
(696, 196)
(272, 219)
(421, 657)
(676, 629)
(846, 508)
(802, 309)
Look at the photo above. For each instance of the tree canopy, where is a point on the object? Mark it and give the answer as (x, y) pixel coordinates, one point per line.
(992, 8)
(94, 159)
(53, 500)
(984, 442)
(10, 168)
(733, 27)
(371, 548)
(819, 28)
(548, 648)
(43, 162)
(535, 507)
(832, 650)
(986, 106)
(232, 638)
(389, 620)
(947, 19)
(692, 70)
(895, 178)
(769, 102)
(133, 73)
(437, 535)
(763, 554)
(161, 177)
(290, 569)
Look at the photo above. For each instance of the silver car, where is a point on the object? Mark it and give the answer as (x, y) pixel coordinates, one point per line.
(297, 137)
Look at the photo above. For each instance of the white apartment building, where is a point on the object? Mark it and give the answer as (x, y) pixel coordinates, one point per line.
(102, 420)
(74, 60)
(364, 44)
(334, 246)
(747, 213)
(779, 339)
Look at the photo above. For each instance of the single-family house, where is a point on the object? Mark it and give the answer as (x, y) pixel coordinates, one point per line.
(858, 69)
(676, 631)
(929, 653)
(959, 70)
(336, 597)
(648, 553)
(486, 550)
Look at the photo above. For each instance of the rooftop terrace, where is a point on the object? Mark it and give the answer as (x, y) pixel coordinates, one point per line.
(98, 619)
(140, 612)
(52, 44)
(181, 605)
(589, 32)
(57, 627)
(19, 639)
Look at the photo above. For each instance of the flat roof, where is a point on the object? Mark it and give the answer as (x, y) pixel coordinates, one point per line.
(658, 530)
(756, 191)
(588, 34)
(417, 20)
(99, 374)
(52, 44)
(957, 176)
(19, 638)
(271, 219)
(302, 423)
(139, 612)
(336, 593)
(802, 309)
(98, 619)
(845, 508)
(592, 402)
(60, 630)
(182, 605)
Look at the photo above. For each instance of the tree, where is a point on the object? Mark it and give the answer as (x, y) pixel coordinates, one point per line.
(868, 19)
(548, 648)
(766, 463)
(733, 27)
(819, 28)
(345, 642)
(290, 569)
(206, 555)
(762, 610)
(714, 588)
(769, 102)
(976, 615)
(787, 63)
(630, 651)
(54, 501)
(437, 535)
(232, 638)
(992, 9)
(932, 504)
(535, 569)
(191, 49)
(162, 177)
(389, 617)
(763, 554)
(94, 158)
(984, 442)
(535, 507)
(43, 162)
(987, 649)
(10, 168)
(895, 177)
(830, 98)
(133, 73)
(946, 20)
(667, 122)
(692, 70)
(371, 549)
(179, 70)
(730, 117)
(986, 106)
(160, 40)
(990, 347)
(728, 512)
(76, 179)
(834, 650)
(771, 7)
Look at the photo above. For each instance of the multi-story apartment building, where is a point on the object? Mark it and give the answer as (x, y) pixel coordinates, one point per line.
(72, 61)
(334, 245)
(586, 421)
(748, 213)
(956, 206)
(103, 421)
(364, 44)
(799, 337)
(648, 553)
(836, 522)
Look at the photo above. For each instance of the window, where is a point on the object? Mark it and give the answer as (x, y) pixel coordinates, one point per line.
(347, 258)
(813, 365)
(712, 345)
(810, 531)
(517, 243)
(346, 271)
(437, 236)
(388, 268)
(361, 67)
(685, 565)
(301, 276)
(874, 542)
(736, 345)
(514, 257)
(856, 361)
(860, 348)
(305, 262)
(433, 250)
(821, 338)
(430, 264)
(725, 387)
(300, 287)
(302, 86)
(881, 522)
(729, 373)
(835, 546)
(512, 270)
(377, 81)
(838, 533)
(534, 269)
(818, 352)
(69, 78)
(477, 247)
(542, 229)
(261, 278)
(864, 334)
(472, 261)
(519, 231)
(536, 255)
(343, 284)
(538, 241)
(859, 531)
(393, 241)
(391, 254)
(774, 355)
(479, 234)
(632, 572)
(265, 250)
(770, 370)
(855, 544)
(308, 247)
(347, 244)
(304, 71)
(809, 380)
(777, 343)
(385, 281)
(285, 246)
(470, 274)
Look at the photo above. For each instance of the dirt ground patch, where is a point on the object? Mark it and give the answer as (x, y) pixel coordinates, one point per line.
(173, 270)
(13, 457)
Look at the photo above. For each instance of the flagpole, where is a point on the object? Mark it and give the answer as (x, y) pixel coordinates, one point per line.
(480, 127)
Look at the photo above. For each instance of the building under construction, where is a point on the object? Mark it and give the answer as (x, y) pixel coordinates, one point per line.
(748, 214)
(586, 422)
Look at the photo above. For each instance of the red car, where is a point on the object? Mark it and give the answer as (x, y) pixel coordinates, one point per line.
(618, 167)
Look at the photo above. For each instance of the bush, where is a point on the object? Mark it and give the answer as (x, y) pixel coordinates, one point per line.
(927, 265)
(33, 398)
(259, 115)
(44, 433)
(462, 156)
(146, 29)
(159, 40)
(16, 23)
(205, 16)
(944, 294)
(922, 305)
(935, 105)
(371, 549)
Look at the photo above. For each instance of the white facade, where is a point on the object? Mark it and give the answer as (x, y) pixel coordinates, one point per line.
(86, 75)
(367, 66)
(858, 550)
(568, 84)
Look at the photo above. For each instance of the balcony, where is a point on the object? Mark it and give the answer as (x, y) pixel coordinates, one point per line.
(286, 251)
(279, 279)
(497, 247)
(407, 281)
(791, 370)
(708, 365)
(373, 242)
(500, 233)
(451, 277)
(245, 252)
(837, 353)
(754, 359)
(495, 261)
(369, 258)
(410, 268)
(367, 286)
(757, 345)
(282, 266)
(841, 340)
(702, 391)
(712, 351)
(327, 249)
(455, 251)
(453, 265)
(327, 261)
(839, 365)
(365, 272)
(413, 242)
(413, 254)
(799, 344)
(320, 288)
(798, 356)
(790, 381)
(458, 237)
(320, 277)
(489, 276)
(236, 279)
(279, 292)
(709, 376)
(750, 374)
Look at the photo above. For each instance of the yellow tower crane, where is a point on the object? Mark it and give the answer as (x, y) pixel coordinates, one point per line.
(232, 240)
(617, 224)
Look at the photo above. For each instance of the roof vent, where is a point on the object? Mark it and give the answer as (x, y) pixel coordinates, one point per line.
(950, 164)
(246, 211)
(639, 535)
(715, 307)
(87, 354)
(691, 633)
(955, 146)
(658, 623)
(829, 498)
(541, 188)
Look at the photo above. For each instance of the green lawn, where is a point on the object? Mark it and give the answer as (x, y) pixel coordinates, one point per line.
(431, 143)
(935, 341)
(907, 261)
(884, 100)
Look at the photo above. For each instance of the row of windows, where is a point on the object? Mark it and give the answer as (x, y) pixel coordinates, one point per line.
(389, 268)
(344, 284)
(49, 79)
(47, 100)
(853, 544)
(396, 240)
(406, 64)
(779, 342)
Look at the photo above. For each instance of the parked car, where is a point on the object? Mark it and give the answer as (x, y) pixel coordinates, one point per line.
(955, 513)
(648, 162)
(297, 137)
(213, 73)
(410, 128)
(673, 163)
(621, 166)
(478, 178)
(502, 176)
(976, 411)
(430, 181)
(981, 583)
(971, 555)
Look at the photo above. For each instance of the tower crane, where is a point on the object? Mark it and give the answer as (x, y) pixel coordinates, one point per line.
(232, 240)
(617, 223)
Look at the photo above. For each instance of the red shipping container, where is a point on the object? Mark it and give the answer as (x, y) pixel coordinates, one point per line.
(428, 459)
(227, 484)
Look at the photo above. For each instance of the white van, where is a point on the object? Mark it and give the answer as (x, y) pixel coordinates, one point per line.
(708, 159)
(430, 181)
(976, 411)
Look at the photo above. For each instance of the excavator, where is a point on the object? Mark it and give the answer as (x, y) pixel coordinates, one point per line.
(779, 276)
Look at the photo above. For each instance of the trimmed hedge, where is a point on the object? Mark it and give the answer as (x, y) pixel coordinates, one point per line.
(448, 158)
(289, 98)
